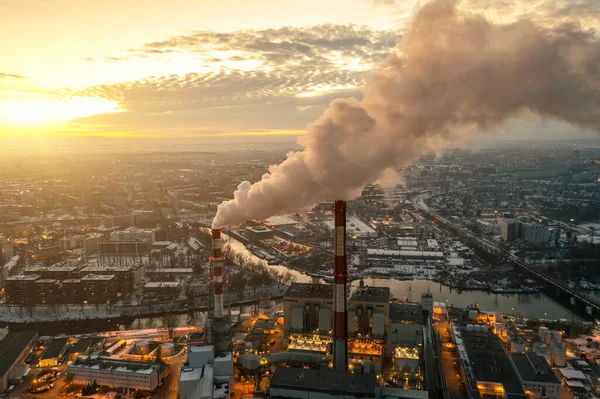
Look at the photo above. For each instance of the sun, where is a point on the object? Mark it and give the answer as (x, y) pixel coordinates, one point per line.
(28, 113)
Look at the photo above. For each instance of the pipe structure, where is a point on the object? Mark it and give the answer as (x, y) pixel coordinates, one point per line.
(340, 290)
(216, 261)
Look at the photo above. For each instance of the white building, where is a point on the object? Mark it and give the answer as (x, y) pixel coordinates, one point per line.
(115, 373)
(355, 227)
(133, 234)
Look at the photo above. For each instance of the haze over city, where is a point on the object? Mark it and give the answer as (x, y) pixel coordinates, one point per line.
(357, 199)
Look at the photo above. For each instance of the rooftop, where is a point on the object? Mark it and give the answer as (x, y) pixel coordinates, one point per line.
(98, 277)
(533, 367)
(490, 362)
(54, 349)
(23, 277)
(371, 294)
(406, 312)
(109, 268)
(280, 220)
(308, 290)
(114, 365)
(327, 381)
(12, 346)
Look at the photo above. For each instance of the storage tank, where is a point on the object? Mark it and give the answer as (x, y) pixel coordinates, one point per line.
(473, 314)
(547, 337)
(469, 327)
(167, 349)
(559, 354)
(548, 356)
(542, 331)
(539, 348)
(142, 348)
(556, 334)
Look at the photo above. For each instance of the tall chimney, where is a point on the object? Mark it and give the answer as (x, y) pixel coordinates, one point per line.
(217, 266)
(340, 294)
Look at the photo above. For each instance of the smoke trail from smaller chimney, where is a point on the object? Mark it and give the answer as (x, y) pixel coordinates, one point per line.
(454, 75)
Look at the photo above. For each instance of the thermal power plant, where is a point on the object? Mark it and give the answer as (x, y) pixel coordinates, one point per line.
(340, 293)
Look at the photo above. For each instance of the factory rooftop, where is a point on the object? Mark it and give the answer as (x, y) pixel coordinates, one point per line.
(371, 294)
(325, 381)
(412, 312)
(533, 367)
(54, 349)
(308, 290)
(100, 268)
(114, 365)
(12, 346)
(490, 362)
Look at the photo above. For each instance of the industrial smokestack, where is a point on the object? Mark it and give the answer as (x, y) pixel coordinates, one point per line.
(340, 292)
(216, 261)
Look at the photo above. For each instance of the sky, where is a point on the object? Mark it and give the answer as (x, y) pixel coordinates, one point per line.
(133, 68)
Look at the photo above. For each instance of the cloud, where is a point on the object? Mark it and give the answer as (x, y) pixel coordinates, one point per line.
(279, 78)
(11, 76)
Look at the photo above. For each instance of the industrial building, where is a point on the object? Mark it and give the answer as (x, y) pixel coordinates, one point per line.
(355, 228)
(405, 326)
(304, 305)
(115, 373)
(14, 347)
(54, 353)
(536, 376)
(486, 368)
(293, 383)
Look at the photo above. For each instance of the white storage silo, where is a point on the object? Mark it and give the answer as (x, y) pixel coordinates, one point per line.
(473, 313)
(546, 337)
(539, 348)
(470, 327)
(542, 331)
(556, 334)
(142, 348)
(559, 354)
(167, 349)
(548, 356)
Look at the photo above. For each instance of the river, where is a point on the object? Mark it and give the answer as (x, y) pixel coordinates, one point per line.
(531, 305)
(522, 305)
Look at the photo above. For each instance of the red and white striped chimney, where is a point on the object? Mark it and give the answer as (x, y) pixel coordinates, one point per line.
(217, 266)
(340, 291)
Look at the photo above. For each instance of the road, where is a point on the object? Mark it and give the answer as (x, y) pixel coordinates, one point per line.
(451, 366)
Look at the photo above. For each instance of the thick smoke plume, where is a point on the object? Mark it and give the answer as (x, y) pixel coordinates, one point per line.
(454, 75)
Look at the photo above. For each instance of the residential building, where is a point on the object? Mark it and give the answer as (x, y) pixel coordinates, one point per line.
(18, 289)
(509, 229)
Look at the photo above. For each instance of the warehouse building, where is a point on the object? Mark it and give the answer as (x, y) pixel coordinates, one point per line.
(54, 353)
(14, 347)
(115, 373)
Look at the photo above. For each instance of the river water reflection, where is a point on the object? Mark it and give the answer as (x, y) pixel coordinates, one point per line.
(530, 305)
